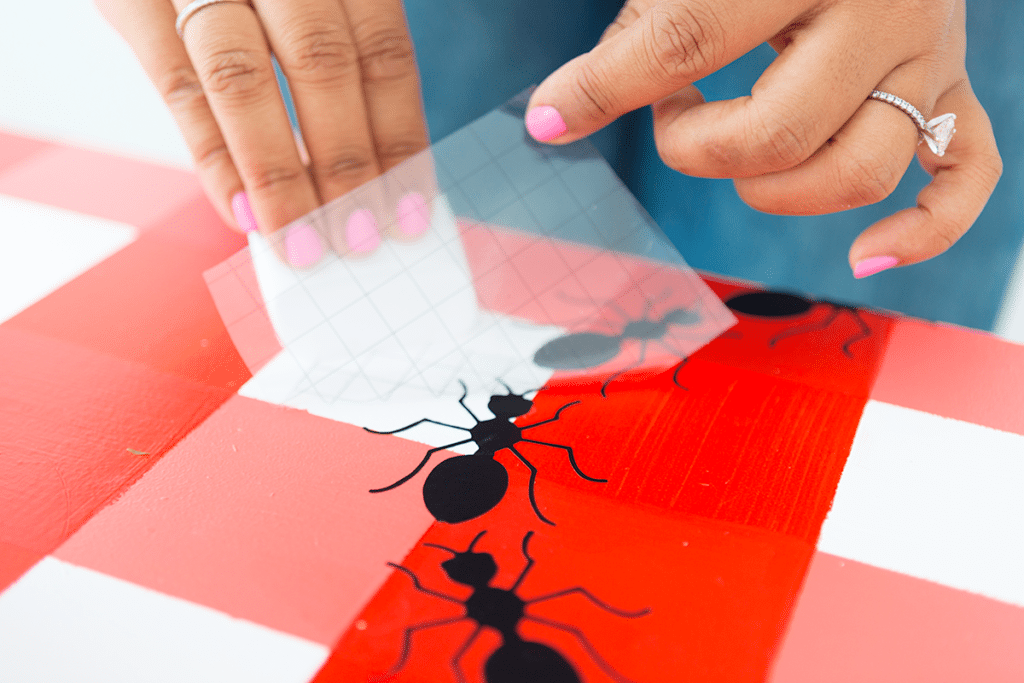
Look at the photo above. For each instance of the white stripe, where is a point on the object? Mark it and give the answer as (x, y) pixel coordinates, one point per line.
(934, 498)
(61, 623)
(45, 247)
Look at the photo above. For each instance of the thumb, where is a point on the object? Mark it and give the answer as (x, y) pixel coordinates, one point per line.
(665, 48)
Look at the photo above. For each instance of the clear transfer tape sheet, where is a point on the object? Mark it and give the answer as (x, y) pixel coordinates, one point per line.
(533, 263)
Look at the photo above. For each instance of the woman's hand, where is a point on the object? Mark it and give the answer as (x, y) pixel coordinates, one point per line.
(353, 78)
(807, 140)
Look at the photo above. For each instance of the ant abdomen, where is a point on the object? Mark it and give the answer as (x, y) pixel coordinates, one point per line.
(769, 304)
(577, 351)
(464, 487)
(522, 660)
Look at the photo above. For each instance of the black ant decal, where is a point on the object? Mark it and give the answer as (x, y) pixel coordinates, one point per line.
(501, 609)
(466, 486)
(582, 350)
(779, 305)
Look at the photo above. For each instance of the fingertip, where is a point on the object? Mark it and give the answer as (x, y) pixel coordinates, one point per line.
(361, 233)
(544, 123)
(302, 246)
(872, 265)
(241, 209)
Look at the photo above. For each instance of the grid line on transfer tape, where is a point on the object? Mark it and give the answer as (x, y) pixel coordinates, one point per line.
(380, 317)
(234, 267)
(535, 296)
(415, 367)
(532, 212)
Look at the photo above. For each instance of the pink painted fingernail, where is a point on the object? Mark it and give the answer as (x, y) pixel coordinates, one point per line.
(544, 123)
(361, 232)
(302, 246)
(243, 212)
(875, 264)
(413, 218)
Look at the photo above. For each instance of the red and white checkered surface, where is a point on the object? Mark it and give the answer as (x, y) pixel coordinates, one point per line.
(163, 518)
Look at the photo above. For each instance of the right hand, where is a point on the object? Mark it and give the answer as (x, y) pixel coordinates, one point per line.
(352, 72)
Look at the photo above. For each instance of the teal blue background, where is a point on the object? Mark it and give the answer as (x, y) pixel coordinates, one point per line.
(475, 55)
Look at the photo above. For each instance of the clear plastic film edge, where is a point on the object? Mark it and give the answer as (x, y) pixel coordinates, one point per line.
(502, 261)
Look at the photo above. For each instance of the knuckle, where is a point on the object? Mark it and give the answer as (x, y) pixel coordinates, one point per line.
(385, 53)
(271, 178)
(989, 168)
(239, 75)
(946, 234)
(591, 90)
(211, 153)
(781, 141)
(683, 41)
(347, 166)
(180, 88)
(397, 150)
(320, 52)
(867, 179)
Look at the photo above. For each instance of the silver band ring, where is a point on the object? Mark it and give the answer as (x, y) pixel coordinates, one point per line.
(937, 133)
(193, 7)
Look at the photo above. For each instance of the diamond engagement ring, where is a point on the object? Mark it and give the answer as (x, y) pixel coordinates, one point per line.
(191, 8)
(937, 132)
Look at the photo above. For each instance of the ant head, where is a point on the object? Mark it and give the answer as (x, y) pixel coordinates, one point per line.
(464, 487)
(507, 406)
(469, 568)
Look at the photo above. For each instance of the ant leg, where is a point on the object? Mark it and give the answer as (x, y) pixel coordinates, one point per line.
(529, 562)
(457, 657)
(864, 333)
(594, 599)
(418, 467)
(421, 588)
(675, 375)
(598, 659)
(407, 642)
(572, 459)
(620, 373)
(810, 327)
(558, 413)
(462, 402)
(533, 480)
(414, 424)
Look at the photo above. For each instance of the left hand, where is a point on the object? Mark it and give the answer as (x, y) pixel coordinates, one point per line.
(807, 140)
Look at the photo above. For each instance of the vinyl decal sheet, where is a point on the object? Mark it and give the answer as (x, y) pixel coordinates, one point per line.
(821, 493)
(589, 283)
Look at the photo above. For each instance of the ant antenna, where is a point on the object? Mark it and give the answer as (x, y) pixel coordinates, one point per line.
(478, 537)
(526, 543)
(442, 547)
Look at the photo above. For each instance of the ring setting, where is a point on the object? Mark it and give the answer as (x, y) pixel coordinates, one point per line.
(937, 133)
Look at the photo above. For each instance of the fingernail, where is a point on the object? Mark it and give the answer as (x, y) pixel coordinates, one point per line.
(243, 212)
(302, 246)
(413, 219)
(544, 123)
(875, 264)
(361, 232)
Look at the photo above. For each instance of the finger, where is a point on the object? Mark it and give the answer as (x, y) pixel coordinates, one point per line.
(149, 29)
(390, 80)
(313, 42)
(861, 164)
(669, 46)
(226, 44)
(964, 179)
(818, 81)
(391, 88)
